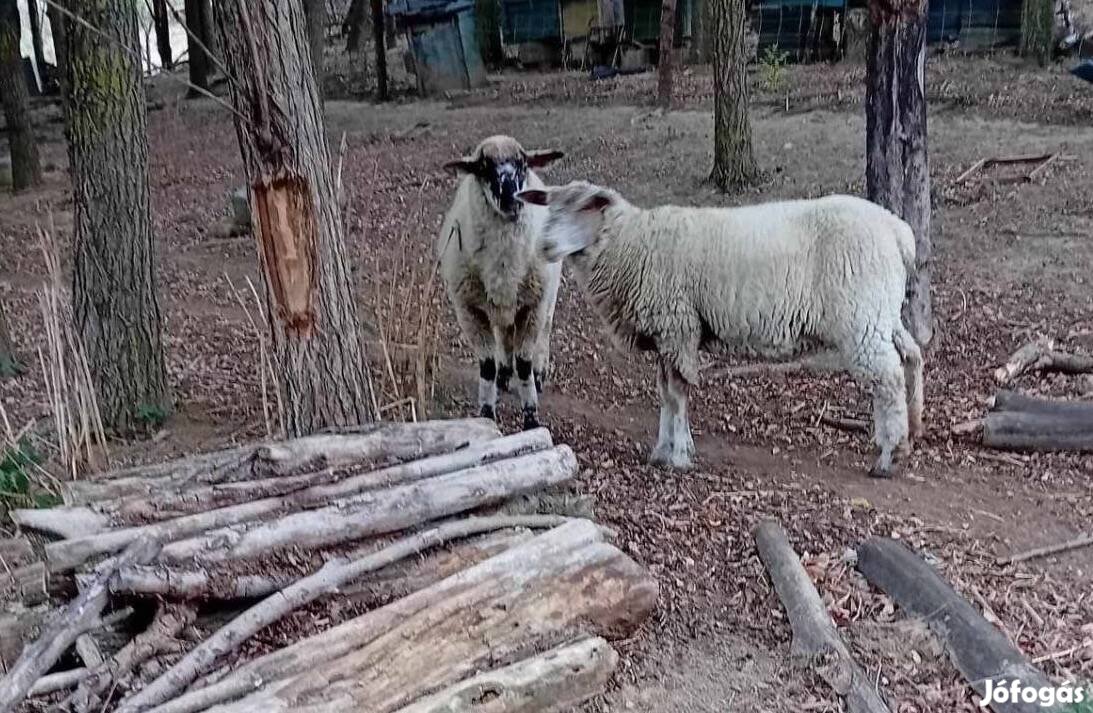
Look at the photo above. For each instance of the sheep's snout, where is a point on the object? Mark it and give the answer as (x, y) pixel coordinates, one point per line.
(508, 180)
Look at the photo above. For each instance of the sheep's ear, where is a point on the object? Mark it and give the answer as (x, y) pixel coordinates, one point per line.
(538, 159)
(596, 202)
(534, 196)
(467, 164)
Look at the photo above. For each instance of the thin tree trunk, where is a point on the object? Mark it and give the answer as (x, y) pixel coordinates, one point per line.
(700, 51)
(114, 283)
(162, 20)
(315, 12)
(379, 39)
(353, 23)
(897, 169)
(322, 366)
(36, 42)
(198, 34)
(734, 160)
(667, 53)
(26, 169)
(57, 35)
(9, 364)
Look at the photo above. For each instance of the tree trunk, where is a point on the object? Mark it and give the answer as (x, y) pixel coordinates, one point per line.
(114, 283)
(700, 15)
(353, 23)
(734, 161)
(162, 20)
(322, 367)
(26, 169)
(667, 53)
(9, 364)
(379, 40)
(315, 12)
(197, 34)
(897, 170)
(36, 42)
(1037, 29)
(57, 35)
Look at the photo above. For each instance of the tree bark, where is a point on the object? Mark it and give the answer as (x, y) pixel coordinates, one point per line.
(1039, 431)
(897, 169)
(9, 364)
(161, 18)
(36, 41)
(315, 16)
(666, 60)
(734, 164)
(379, 41)
(354, 23)
(26, 169)
(197, 59)
(322, 367)
(115, 303)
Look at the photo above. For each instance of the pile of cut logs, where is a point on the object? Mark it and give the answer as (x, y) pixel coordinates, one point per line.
(428, 585)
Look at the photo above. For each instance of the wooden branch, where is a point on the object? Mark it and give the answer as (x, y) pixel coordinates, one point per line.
(1074, 544)
(845, 424)
(1040, 355)
(157, 638)
(529, 597)
(79, 616)
(328, 579)
(978, 650)
(382, 511)
(1031, 431)
(88, 651)
(71, 553)
(400, 441)
(1013, 401)
(55, 682)
(28, 584)
(814, 633)
(558, 680)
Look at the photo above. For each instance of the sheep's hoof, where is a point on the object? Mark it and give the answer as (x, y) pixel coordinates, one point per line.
(903, 450)
(531, 419)
(504, 375)
(486, 411)
(540, 381)
(882, 468)
(666, 457)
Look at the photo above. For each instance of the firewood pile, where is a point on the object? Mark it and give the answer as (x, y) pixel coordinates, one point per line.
(157, 587)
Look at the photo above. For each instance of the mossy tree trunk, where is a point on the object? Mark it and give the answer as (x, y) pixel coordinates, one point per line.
(114, 296)
(321, 364)
(666, 60)
(26, 169)
(197, 35)
(1037, 29)
(734, 164)
(161, 18)
(9, 364)
(897, 168)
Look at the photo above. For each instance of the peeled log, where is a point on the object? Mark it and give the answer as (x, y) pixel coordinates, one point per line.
(526, 598)
(400, 441)
(1032, 431)
(382, 511)
(558, 680)
(1013, 401)
(71, 553)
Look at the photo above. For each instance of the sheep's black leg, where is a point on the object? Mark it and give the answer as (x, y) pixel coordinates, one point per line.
(528, 393)
(487, 388)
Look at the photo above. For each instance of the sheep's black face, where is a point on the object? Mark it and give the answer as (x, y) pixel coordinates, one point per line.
(501, 180)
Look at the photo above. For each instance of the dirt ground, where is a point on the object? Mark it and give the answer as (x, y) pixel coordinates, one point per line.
(1013, 260)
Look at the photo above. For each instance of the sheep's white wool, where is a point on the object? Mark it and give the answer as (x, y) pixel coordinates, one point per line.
(503, 290)
(770, 281)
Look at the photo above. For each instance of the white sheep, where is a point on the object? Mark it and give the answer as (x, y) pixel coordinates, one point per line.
(824, 277)
(502, 289)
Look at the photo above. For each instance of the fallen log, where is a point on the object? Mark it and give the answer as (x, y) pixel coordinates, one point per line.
(382, 511)
(328, 579)
(81, 614)
(73, 552)
(1023, 403)
(15, 551)
(54, 682)
(978, 649)
(524, 599)
(1032, 431)
(814, 635)
(27, 584)
(558, 680)
(157, 638)
(399, 441)
(1040, 355)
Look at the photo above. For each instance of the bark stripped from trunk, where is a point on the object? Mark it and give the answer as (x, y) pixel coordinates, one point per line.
(897, 170)
(162, 20)
(26, 170)
(198, 33)
(667, 53)
(734, 161)
(322, 368)
(114, 286)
